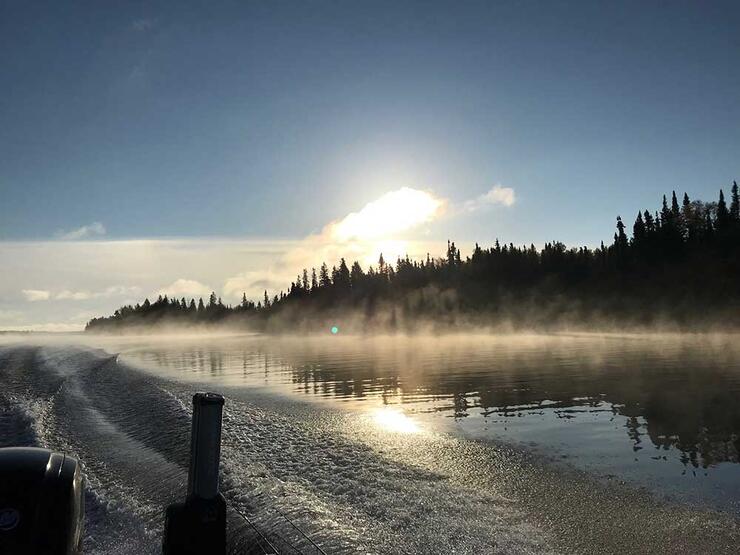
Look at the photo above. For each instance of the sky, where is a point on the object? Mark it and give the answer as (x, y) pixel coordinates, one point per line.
(182, 147)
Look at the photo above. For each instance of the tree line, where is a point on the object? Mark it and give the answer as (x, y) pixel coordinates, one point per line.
(680, 263)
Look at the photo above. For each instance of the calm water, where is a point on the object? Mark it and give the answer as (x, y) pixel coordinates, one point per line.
(663, 411)
(475, 444)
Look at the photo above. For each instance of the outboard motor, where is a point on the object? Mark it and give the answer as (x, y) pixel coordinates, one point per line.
(199, 524)
(41, 502)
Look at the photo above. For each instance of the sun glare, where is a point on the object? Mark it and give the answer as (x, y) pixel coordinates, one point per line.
(392, 213)
(394, 420)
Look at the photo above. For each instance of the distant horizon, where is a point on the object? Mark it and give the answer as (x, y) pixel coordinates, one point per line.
(276, 256)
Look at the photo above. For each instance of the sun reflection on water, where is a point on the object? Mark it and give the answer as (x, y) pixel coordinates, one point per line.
(394, 420)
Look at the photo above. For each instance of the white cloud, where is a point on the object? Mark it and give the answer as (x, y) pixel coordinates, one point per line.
(34, 295)
(108, 292)
(381, 226)
(185, 288)
(394, 212)
(504, 196)
(95, 229)
(254, 283)
(73, 295)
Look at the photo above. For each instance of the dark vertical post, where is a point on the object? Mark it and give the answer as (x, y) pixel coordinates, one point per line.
(205, 445)
(199, 524)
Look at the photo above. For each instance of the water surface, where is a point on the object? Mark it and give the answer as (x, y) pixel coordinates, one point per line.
(662, 410)
(475, 444)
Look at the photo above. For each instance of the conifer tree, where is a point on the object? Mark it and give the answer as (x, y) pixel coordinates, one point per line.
(665, 213)
(324, 280)
(687, 218)
(356, 274)
(735, 203)
(722, 214)
(343, 277)
(675, 212)
(638, 229)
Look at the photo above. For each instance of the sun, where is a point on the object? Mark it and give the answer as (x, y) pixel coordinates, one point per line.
(392, 213)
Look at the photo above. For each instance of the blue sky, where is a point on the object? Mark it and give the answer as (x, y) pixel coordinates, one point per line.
(269, 120)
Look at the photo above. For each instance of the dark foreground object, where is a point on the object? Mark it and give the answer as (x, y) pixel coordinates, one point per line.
(41, 502)
(199, 524)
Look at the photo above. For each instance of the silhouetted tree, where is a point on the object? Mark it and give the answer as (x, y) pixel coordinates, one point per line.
(324, 279)
(723, 216)
(305, 279)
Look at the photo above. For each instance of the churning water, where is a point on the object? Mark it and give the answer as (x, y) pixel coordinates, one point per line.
(474, 444)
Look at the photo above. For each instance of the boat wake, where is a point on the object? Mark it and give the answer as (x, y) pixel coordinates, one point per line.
(293, 485)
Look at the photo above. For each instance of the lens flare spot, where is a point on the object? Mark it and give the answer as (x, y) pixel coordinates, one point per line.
(334, 330)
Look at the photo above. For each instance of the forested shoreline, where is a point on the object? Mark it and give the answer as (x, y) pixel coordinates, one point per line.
(679, 267)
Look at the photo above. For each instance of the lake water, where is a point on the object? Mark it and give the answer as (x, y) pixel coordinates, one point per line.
(466, 444)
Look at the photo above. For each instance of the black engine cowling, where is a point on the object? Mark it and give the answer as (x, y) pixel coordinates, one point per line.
(41, 502)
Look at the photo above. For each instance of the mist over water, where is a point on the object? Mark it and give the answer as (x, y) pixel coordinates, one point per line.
(651, 407)
(474, 443)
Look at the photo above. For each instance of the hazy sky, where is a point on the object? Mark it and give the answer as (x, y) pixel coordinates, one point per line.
(217, 130)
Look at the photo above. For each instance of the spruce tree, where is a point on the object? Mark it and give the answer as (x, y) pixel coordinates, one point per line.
(674, 206)
(687, 218)
(324, 280)
(649, 222)
(356, 274)
(638, 229)
(343, 274)
(735, 204)
(665, 213)
(722, 214)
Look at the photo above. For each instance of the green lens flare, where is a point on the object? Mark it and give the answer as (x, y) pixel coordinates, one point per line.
(334, 330)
